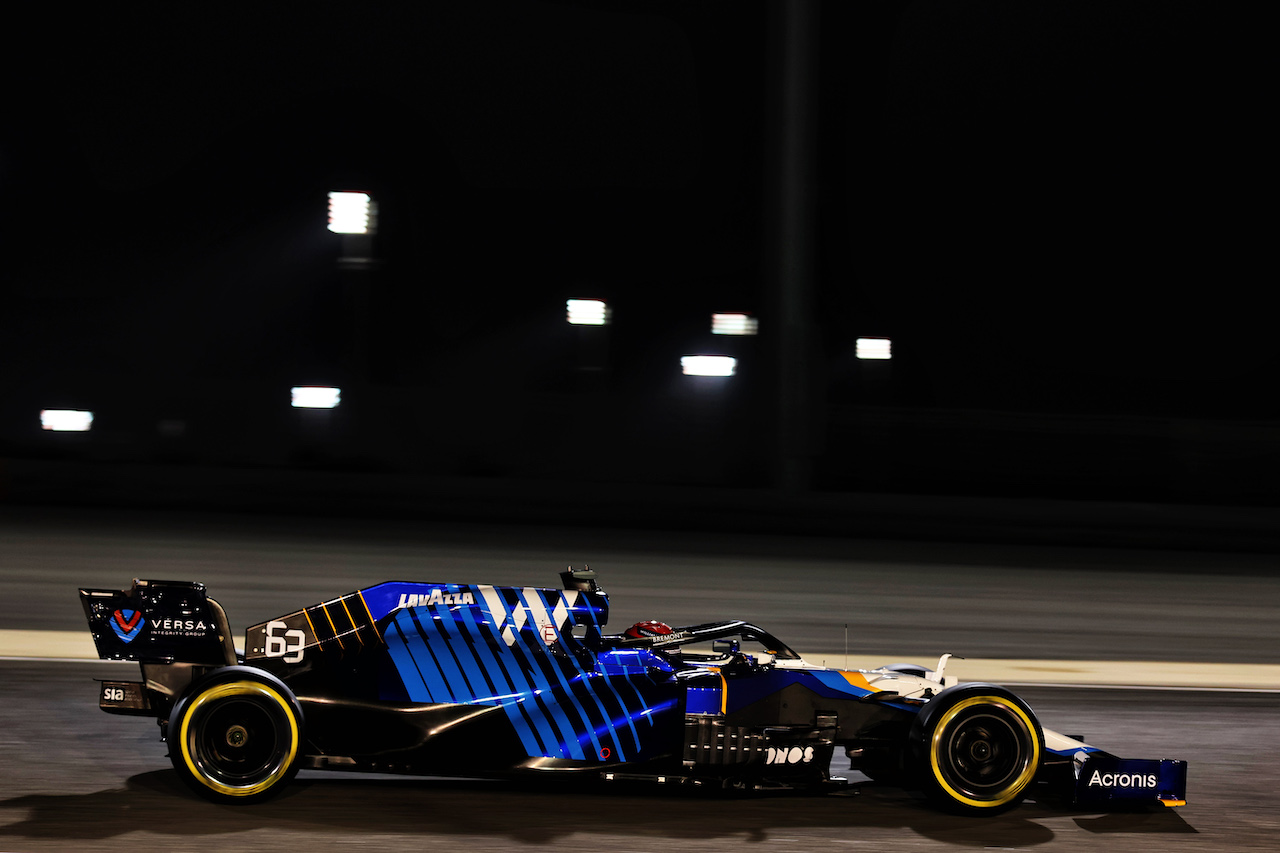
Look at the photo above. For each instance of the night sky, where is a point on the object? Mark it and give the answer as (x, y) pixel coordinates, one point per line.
(1052, 208)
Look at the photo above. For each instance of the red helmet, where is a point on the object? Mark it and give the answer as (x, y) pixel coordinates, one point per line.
(649, 629)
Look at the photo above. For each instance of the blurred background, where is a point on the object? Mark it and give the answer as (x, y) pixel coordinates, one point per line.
(980, 267)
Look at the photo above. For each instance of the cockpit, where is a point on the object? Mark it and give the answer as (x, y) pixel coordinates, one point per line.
(725, 645)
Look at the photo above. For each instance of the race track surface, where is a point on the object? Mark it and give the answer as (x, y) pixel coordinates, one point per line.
(75, 777)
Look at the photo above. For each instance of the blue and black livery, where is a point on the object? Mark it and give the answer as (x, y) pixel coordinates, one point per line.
(478, 680)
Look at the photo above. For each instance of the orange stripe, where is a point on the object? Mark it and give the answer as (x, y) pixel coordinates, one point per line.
(312, 625)
(353, 621)
(857, 679)
(367, 611)
(724, 690)
(325, 608)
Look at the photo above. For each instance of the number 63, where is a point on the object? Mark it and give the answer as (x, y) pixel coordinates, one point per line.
(285, 642)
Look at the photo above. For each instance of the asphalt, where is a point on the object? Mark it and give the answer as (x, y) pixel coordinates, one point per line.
(76, 778)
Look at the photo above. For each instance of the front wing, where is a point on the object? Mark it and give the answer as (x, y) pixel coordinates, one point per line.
(1102, 779)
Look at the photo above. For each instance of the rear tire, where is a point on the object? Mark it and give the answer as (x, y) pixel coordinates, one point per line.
(237, 736)
(976, 748)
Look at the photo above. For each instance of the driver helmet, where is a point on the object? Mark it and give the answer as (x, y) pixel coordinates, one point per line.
(648, 629)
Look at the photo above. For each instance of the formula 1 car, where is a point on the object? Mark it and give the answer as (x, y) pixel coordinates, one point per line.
(487, 681)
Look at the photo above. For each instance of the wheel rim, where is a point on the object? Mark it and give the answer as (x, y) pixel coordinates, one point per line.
(985, 751)
(239, 738)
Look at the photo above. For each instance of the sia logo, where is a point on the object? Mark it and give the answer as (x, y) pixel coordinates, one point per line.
(127, 624)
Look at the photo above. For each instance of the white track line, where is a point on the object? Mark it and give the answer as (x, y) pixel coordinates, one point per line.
(77, 647)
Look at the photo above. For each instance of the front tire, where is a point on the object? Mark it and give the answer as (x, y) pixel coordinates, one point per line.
(237, 736)
(976, 748)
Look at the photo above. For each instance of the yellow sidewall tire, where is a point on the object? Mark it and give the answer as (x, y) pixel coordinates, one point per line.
(269, 705)
(1008, 714)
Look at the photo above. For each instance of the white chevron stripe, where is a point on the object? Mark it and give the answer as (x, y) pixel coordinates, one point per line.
(533, 601)
(560, 615)
(497, 607)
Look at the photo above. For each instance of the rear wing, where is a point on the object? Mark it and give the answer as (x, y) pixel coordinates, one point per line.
(159, 622)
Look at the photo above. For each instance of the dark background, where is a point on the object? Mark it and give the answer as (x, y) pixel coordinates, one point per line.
(1054, 209)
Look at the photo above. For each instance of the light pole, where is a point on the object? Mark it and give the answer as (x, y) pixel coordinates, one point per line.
(794, 109)
(354, 215)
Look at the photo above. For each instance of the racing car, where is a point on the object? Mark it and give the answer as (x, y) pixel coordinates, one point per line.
(473, 680)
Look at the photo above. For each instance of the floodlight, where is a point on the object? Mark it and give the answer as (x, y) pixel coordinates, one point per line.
(733, 324)
(708, 365)
(874, 348)
(588, 312)
(351, 213)
(66, 420)
(316, 397)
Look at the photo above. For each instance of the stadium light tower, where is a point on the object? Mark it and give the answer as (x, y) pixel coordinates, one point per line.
(588, 312)
(315, 396)
(66, 420)
(352, 213)
(708, 365)
(734, 324)
(877, 349)
(590, 317)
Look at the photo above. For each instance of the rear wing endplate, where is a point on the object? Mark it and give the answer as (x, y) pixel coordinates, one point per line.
(159, 622)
